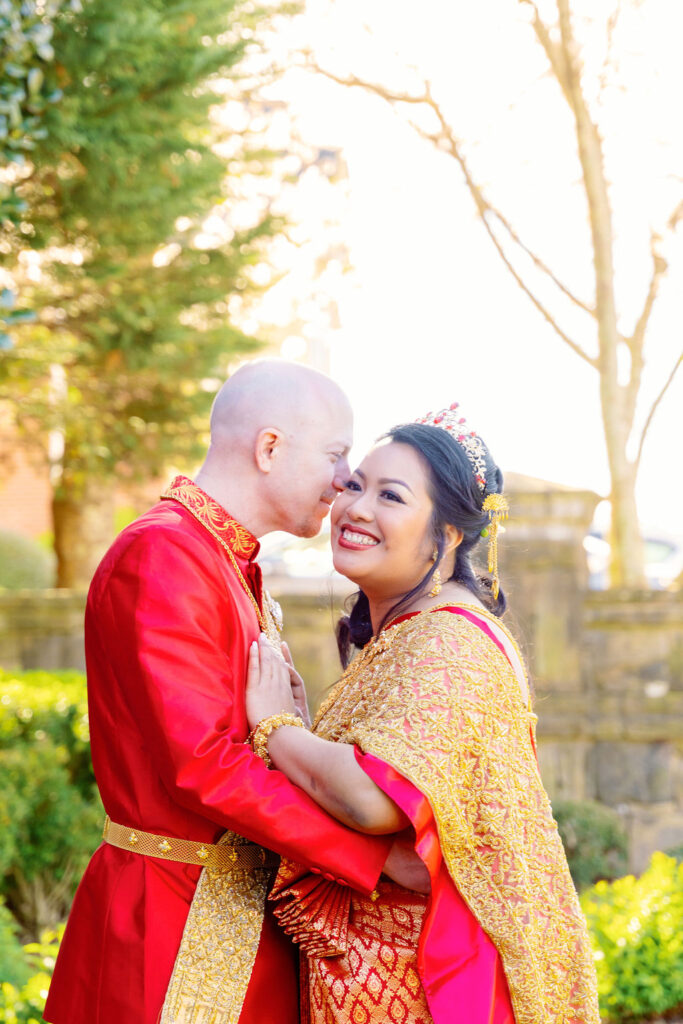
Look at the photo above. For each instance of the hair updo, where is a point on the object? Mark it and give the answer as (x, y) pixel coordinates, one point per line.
(457, 501)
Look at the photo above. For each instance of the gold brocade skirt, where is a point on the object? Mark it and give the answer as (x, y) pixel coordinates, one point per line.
(376, 980)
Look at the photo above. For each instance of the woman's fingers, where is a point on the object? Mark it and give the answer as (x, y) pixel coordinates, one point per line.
(253, 666)
(274, 677)
(286, 653)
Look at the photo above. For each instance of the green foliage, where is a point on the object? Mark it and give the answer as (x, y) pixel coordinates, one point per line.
(135, 302)
(27, 86)
(50, 812)
(24, 562)
(13, 966)
(594, 840)
(637, 930)
(23, 1002)
(10, 316)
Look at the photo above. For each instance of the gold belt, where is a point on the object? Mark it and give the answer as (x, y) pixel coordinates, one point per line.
(218, 856)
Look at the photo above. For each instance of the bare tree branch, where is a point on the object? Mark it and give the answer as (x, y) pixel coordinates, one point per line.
(653, 409)
(538, 262)
(446, 140)
(612, 21)
(659, 268)
(552, 50)
(427, 99)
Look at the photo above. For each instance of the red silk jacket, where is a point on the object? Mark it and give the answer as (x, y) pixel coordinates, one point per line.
(168, 629)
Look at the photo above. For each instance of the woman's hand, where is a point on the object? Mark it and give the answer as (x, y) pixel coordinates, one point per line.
(269, 689)
(298, 687)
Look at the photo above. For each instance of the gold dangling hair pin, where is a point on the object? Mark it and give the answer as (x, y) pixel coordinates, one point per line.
(497, 507)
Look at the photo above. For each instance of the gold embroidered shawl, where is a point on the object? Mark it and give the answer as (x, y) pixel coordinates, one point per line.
(436, 699)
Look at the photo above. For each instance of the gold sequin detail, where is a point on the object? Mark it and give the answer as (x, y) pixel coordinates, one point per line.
(436, 699)
(218, 948)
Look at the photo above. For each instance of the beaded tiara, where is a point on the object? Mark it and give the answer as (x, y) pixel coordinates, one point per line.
(449, 419)
(495, 505)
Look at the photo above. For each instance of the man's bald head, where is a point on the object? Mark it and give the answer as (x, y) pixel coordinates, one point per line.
(273, 393)
(280, 436)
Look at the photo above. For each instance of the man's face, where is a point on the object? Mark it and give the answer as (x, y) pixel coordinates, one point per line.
(312, 468)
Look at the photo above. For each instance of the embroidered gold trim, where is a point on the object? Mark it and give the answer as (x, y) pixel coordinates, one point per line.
(212, 515)
(233, 538)
(437, 700)
(218, 948)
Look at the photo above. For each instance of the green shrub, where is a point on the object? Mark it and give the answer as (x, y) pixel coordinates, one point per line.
(24, 1002)
(676, 852)
(637, 930)
(50, 812)
(594, 840)
(24, 563)
(13, 966)
(38, 705)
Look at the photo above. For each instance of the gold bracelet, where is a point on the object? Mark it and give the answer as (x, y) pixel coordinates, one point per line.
(268, 725)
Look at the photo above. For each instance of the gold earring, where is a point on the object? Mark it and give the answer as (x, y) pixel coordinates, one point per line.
(436, 579)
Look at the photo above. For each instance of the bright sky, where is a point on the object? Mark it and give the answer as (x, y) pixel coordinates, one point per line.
(431, 315)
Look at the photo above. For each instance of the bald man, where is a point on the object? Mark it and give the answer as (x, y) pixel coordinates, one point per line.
(169, 925)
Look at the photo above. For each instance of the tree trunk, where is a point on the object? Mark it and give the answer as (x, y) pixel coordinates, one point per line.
(83, 525)
(627, 555)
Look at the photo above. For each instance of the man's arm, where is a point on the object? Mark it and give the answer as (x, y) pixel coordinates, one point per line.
(183, 671)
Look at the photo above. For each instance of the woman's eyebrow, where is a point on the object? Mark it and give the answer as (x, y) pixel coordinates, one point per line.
(390, 480)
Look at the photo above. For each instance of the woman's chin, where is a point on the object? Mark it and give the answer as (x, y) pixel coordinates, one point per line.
(348, 567)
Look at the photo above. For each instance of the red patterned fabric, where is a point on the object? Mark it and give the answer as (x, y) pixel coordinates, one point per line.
(377, 978)
(168, 629)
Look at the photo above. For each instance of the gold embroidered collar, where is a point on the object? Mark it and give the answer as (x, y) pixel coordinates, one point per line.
(213, 516)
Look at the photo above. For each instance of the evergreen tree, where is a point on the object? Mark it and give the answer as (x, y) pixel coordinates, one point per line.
(135, 333)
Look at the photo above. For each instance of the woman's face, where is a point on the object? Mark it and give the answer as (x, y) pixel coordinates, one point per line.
(381, 536)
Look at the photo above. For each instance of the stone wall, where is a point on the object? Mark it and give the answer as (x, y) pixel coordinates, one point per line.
(606, 667)
(41, 629)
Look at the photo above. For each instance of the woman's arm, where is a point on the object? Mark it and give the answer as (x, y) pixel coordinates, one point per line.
(328, 772)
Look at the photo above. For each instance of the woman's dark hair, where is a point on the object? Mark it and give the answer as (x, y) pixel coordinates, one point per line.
(457, 501)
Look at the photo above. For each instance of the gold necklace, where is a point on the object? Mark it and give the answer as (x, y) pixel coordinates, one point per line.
(270, 628)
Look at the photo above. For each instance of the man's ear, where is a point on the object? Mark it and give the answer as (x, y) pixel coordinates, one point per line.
(268, 443)
(453, 537)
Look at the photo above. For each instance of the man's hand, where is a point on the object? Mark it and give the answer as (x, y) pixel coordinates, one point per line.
(405, 867)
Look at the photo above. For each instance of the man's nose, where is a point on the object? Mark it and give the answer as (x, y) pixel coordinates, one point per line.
(341, 474)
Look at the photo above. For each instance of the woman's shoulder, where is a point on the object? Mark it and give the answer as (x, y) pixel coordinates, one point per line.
(453, 621)
(465, 642)
(438, 631)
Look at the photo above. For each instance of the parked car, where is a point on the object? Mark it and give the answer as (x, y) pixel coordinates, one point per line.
(663, 559)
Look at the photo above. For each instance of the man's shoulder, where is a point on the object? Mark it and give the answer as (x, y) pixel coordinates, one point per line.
(164, 530)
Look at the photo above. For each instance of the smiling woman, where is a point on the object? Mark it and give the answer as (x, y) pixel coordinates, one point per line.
(430, 734)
